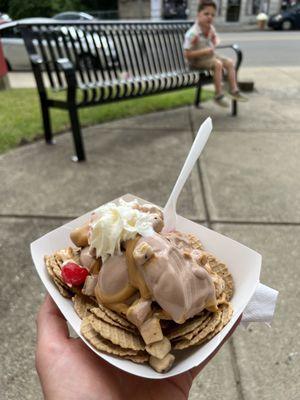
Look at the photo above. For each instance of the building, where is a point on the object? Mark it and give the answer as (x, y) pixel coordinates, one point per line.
(240, 11)
(229, 11)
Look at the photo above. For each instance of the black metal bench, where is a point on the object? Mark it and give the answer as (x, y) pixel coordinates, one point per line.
(102, 62)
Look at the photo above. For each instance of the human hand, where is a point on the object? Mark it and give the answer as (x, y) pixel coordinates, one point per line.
(194, 40)
(210, 51)
(69, 370)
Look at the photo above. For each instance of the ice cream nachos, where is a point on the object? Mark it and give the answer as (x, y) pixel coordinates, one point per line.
(141, 293)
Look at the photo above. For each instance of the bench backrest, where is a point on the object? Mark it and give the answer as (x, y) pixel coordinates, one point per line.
(108, 51)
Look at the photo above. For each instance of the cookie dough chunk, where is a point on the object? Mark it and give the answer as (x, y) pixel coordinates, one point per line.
(139, 312)
(159, 349)
(151, 331)
(162, 365)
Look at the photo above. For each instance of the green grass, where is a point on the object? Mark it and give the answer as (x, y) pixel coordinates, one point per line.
(20, 116)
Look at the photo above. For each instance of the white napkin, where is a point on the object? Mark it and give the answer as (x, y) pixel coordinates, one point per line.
(261, 307)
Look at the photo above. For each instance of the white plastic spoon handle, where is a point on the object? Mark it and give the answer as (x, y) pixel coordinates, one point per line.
(196, 149)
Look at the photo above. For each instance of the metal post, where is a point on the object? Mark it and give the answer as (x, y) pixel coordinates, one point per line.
(198, 95)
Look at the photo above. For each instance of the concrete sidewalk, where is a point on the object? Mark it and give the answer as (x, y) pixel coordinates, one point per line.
(246, 186)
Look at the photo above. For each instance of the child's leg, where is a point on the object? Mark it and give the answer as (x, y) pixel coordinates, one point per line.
(229, 66)
(218, 67)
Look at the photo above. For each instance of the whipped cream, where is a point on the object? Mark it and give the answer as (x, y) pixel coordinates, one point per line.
(112, 224)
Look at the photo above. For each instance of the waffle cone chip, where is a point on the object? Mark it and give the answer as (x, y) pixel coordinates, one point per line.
(199, 329)
(83, 305)
(116, 317)
(112, 318)
(53, 267)
(101, 344)
(188, 326)
(221, 269)
(67, 254)
(63, 289)
(225, 318)
(195, 242)
(211, 325)
(116, 335)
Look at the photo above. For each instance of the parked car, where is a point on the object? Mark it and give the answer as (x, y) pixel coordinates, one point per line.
(73, 16)
(287, 19)
(13, 46)
(89, 48)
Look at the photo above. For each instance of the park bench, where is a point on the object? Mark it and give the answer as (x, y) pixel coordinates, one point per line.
(103, 62)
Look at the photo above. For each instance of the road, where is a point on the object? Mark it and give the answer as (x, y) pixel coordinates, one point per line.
(267, 49)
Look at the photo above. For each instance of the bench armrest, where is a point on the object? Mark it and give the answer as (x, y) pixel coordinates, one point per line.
(238, 52)
(68, 68)
(65, 64)
(36, 59)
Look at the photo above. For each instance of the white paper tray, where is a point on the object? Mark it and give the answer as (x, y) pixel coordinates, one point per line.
(243, 263)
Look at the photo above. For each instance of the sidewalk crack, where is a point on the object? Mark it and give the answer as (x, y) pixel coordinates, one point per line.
(236, 371)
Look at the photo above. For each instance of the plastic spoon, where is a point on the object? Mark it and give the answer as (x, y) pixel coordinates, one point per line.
(196, 149)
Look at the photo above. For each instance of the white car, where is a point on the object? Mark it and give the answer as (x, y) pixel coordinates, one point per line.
(73, 16)
(13, 46)
(89, 48)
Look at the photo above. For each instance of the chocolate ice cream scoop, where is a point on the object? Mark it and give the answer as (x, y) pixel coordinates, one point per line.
(177, 282)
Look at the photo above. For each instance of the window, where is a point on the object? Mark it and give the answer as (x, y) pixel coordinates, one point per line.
(12, 33)
(258, 6)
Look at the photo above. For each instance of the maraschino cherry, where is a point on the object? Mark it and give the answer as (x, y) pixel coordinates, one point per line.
(73, 274)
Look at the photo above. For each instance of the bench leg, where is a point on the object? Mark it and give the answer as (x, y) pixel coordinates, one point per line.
(46, 120)
(198, 96)
(76, 131)
(234, 108)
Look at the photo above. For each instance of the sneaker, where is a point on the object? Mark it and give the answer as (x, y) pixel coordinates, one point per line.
(238, 96)
(221, 101)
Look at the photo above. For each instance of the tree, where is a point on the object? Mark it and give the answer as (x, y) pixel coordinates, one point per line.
(31, 8)
(4, 5)
(66, 5)
(35, 8)
(18, 9)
